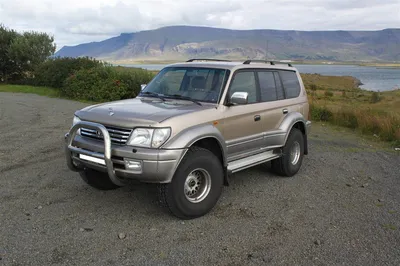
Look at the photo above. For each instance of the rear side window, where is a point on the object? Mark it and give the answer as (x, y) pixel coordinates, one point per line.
(290, 83)
(267, 86)
(279, 89)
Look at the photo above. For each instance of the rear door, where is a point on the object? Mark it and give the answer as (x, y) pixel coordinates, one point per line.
(272, 98)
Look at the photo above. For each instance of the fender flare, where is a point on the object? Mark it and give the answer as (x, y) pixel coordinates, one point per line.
(289, 121)
(189, 136)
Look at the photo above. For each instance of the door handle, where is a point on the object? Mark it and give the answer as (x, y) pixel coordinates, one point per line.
(257, 118)
(285, 111)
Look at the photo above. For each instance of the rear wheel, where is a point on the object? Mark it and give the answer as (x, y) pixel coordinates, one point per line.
(196, 185)
(98, 180)
(293, 152)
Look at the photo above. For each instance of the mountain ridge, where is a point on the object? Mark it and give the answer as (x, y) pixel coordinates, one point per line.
(182, 42)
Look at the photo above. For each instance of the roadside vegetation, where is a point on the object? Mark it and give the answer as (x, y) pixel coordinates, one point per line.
(26, 66)
(339, 101)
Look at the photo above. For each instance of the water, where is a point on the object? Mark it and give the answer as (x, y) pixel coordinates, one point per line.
(373, 78)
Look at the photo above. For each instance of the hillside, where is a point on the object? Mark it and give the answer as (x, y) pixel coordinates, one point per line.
(181, 42)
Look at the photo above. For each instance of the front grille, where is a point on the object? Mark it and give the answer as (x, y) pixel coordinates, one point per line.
(118, 135)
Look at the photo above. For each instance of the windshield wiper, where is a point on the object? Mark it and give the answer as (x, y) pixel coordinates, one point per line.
(178, 96)
(153, 94)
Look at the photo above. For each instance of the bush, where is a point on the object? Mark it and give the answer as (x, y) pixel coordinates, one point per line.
(328, 93)
(105, 83)
(55, 71)
(319, 113)
(374, 97)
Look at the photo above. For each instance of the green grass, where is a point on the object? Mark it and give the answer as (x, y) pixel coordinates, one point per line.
(43, 91)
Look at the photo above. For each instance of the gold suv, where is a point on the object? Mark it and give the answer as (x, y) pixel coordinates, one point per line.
(192, 126)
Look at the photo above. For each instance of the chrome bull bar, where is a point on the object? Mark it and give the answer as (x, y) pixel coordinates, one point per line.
(107, 149)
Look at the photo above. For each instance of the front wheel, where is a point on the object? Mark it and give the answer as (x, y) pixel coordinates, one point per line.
(196, 185)
(293, 152)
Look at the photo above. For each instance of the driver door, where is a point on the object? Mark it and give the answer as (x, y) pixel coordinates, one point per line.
(243, 126)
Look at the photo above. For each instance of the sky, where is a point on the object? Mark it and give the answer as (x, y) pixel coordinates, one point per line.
(73, 22)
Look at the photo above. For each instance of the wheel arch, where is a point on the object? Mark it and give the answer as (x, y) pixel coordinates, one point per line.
(205, 136)
(295, 120)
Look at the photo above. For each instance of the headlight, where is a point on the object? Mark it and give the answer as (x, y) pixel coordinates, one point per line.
(149, 137)
(74, 121)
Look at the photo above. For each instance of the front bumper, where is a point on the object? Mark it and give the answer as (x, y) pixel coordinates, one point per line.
(156, 165)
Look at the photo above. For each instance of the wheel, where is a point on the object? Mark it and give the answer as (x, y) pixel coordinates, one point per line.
(293, 153)
(97, 179)
(196, 186)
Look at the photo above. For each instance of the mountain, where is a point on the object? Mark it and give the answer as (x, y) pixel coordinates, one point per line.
(182, 42)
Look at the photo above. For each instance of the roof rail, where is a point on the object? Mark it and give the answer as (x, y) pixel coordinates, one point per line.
(247, 62)
(207, 59)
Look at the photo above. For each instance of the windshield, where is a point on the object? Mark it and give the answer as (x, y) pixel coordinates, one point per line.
(194, 83)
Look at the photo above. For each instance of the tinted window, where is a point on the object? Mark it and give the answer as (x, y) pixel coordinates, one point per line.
(244, 82)
(279, 89)
(267, 86)
(290, 84)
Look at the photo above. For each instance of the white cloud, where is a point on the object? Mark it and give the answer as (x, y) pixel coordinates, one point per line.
(76, 21)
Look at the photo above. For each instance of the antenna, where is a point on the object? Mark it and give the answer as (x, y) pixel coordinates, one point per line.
(266, 49)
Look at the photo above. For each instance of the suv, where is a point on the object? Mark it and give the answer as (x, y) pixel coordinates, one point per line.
(192, 126)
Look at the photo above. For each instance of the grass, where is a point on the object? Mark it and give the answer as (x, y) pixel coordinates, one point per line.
(43, 91)
(339, 101)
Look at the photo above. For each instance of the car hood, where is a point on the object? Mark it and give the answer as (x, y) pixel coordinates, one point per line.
(138, 111)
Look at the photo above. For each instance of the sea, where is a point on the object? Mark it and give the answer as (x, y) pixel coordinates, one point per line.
(373, 78)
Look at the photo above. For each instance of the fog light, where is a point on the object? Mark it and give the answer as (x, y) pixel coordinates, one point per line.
(133, 165)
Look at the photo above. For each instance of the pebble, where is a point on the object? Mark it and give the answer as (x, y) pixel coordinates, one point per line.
(317, 242)
(121, 235)
(39, 207)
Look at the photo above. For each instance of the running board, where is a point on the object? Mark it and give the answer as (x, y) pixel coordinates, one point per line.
(253, 160)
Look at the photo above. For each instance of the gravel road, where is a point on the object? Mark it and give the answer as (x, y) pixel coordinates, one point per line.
(342, 208)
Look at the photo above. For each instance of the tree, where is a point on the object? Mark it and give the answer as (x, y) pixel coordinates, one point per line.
(22, 53)
(6, 38)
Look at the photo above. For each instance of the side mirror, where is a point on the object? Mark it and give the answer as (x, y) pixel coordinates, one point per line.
(143, 86)
(239, 98)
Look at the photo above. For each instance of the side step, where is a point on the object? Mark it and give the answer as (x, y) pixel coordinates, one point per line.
(253, 160)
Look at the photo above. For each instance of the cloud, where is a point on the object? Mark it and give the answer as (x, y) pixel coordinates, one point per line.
(76, 21)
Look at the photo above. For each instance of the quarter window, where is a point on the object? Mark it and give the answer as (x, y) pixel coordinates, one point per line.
(290, 83)
(279, 88)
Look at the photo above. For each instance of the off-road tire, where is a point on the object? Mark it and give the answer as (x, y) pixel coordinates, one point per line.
(283, 165)
(172, 195)
(98, 180)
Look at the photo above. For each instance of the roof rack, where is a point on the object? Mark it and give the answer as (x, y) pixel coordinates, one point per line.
(247, 62)
(207, 59)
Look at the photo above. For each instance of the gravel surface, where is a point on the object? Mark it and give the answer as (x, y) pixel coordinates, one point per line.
(342, 208)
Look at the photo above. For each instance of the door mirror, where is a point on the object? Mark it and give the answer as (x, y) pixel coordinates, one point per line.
(239, 98)
(143, 86)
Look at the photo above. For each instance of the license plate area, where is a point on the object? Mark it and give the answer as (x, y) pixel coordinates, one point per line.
(92, 159)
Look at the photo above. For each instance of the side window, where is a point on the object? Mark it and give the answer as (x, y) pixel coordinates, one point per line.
(279, 89)
(267, 86)
(244, 82)
(290, 84)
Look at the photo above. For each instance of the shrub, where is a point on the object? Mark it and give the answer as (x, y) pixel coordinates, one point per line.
(319, 113)
(55, 71)
(374, 97)
(105, 83)
(328, 93)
